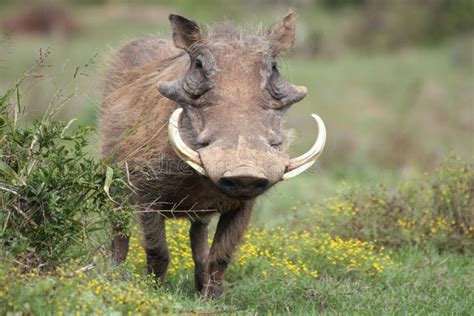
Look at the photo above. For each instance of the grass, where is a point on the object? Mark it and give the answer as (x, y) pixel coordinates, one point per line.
(415, 281)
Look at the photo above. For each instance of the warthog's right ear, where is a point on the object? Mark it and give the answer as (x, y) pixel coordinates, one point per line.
(185, 32)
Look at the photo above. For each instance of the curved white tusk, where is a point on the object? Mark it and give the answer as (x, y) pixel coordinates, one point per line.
(302, 163)
(184, 152)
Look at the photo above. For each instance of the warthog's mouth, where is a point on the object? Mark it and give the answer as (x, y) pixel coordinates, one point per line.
(295, 166)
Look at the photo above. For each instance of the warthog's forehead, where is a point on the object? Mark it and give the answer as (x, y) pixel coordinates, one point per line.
(240, 83)
(239, 64)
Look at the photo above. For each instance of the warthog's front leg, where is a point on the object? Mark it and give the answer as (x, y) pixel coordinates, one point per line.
(120, 243)
(200, 248)
(156, 249)
(229, 232)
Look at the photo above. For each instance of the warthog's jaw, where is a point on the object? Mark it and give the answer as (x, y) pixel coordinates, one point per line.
(295, 167)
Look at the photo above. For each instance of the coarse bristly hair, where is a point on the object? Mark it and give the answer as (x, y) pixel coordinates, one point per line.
(228, 34)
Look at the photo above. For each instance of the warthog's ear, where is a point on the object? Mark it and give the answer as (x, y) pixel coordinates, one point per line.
(282, 33)
(185, 32)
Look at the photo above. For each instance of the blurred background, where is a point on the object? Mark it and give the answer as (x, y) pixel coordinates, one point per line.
(393, 80)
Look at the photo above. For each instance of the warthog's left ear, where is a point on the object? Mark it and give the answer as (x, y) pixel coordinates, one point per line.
(185, 32)
(282, 33)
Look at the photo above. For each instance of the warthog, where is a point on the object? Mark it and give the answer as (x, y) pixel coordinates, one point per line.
(197, 122)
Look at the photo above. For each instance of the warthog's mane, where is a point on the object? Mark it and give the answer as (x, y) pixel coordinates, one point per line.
(225, 35)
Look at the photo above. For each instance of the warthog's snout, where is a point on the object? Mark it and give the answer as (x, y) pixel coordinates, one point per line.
(243, 183)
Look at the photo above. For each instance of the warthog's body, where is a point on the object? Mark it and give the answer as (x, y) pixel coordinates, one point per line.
(230, 119)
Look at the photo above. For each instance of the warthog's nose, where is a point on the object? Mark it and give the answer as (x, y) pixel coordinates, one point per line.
(243, 186)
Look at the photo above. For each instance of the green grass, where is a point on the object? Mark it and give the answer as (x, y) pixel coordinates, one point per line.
(420, 282)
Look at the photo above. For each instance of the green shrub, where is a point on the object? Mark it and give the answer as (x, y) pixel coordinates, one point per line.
(56, 203)
(436, 210)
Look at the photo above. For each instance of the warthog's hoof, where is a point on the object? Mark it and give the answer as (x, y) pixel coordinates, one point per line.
(213, 290)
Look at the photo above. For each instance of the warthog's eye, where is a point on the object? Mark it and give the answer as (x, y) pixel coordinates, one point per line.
(276, 145)
(196, 82)
(274, 67)
(198, 64)
(281, 90)
(276, 85)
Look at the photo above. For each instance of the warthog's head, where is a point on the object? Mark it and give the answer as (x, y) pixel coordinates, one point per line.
(233, 100)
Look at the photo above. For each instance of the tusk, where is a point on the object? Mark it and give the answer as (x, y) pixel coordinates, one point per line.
(302, 163)
(184, 152)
